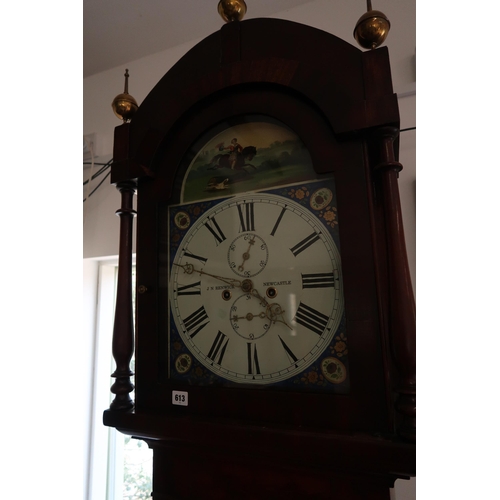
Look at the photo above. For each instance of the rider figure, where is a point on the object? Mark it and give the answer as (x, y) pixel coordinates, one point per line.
(234, 149)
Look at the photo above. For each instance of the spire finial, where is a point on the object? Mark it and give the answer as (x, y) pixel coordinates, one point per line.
(125, 91)
(124, 105)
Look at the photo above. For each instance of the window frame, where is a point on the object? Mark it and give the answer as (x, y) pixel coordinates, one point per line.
(105, 475)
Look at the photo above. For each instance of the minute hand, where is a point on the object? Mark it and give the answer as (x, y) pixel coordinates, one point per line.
(190, 269)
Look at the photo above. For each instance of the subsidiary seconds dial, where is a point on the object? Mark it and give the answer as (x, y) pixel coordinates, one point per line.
(256, 289)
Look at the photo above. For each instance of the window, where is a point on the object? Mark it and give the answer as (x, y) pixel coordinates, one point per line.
(120, 468)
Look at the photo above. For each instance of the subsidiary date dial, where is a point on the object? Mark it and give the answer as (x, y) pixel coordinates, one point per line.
(255, 288)
(247, 255)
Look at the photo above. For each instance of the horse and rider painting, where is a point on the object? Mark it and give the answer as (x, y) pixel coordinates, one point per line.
(245, 157)
(236, 158)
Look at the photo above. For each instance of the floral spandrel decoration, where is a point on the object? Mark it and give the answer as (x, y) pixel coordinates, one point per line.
(329, 369)
(184, 364)
(329, 215)
(183, 220)
(299, 193)
(319, 200)
(339, 347)
(312, 377)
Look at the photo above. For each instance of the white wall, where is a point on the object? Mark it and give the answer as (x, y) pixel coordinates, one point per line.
(101, 225)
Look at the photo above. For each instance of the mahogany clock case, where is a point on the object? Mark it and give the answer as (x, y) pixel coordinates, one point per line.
(332, 99)
(347, 162)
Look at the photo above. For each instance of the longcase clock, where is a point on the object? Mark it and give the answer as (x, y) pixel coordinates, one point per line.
(275, 318)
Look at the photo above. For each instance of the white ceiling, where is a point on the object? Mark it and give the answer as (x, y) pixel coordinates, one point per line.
(119, 31)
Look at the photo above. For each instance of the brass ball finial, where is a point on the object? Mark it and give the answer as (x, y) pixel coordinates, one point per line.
(372, 28)
(232, 10)
(124, 105)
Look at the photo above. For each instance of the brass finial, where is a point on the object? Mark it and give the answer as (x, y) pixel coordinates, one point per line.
(232, 10)
(124, 105)
(372, 28)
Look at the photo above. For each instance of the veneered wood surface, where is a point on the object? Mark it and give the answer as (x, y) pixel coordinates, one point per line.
(335, 97)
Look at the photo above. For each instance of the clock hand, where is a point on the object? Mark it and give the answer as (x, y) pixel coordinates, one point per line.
(246, 255)
(250, 316)
(272, 310)
(257, 295)
(190, 269)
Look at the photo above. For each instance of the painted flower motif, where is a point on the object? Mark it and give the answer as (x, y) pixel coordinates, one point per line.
(177, 346)
(299, 194)
(312, 377)
(196, 210)
(340, 346)
(198, 372)
(176, 237)
(329, 216)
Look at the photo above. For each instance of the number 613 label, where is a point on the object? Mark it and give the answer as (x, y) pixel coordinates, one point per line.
(180, 398)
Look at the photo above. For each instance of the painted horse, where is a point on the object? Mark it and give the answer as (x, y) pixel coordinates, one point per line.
(223, 160)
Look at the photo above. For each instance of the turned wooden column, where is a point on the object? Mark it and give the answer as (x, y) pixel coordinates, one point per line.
(401, 306)
(123, 331)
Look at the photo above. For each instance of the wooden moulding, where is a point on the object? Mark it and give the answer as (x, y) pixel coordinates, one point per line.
(123, 332)
(401, 318)
(375, 455)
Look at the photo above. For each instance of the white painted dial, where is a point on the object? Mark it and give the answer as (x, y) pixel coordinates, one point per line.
(256, 288)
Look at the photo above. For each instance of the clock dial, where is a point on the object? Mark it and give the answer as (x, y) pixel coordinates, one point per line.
(255, 287)
(248, 255)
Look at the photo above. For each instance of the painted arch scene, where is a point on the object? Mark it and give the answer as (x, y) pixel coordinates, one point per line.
(250, 156)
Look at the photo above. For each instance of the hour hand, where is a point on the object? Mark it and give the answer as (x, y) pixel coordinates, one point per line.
(188, 268)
